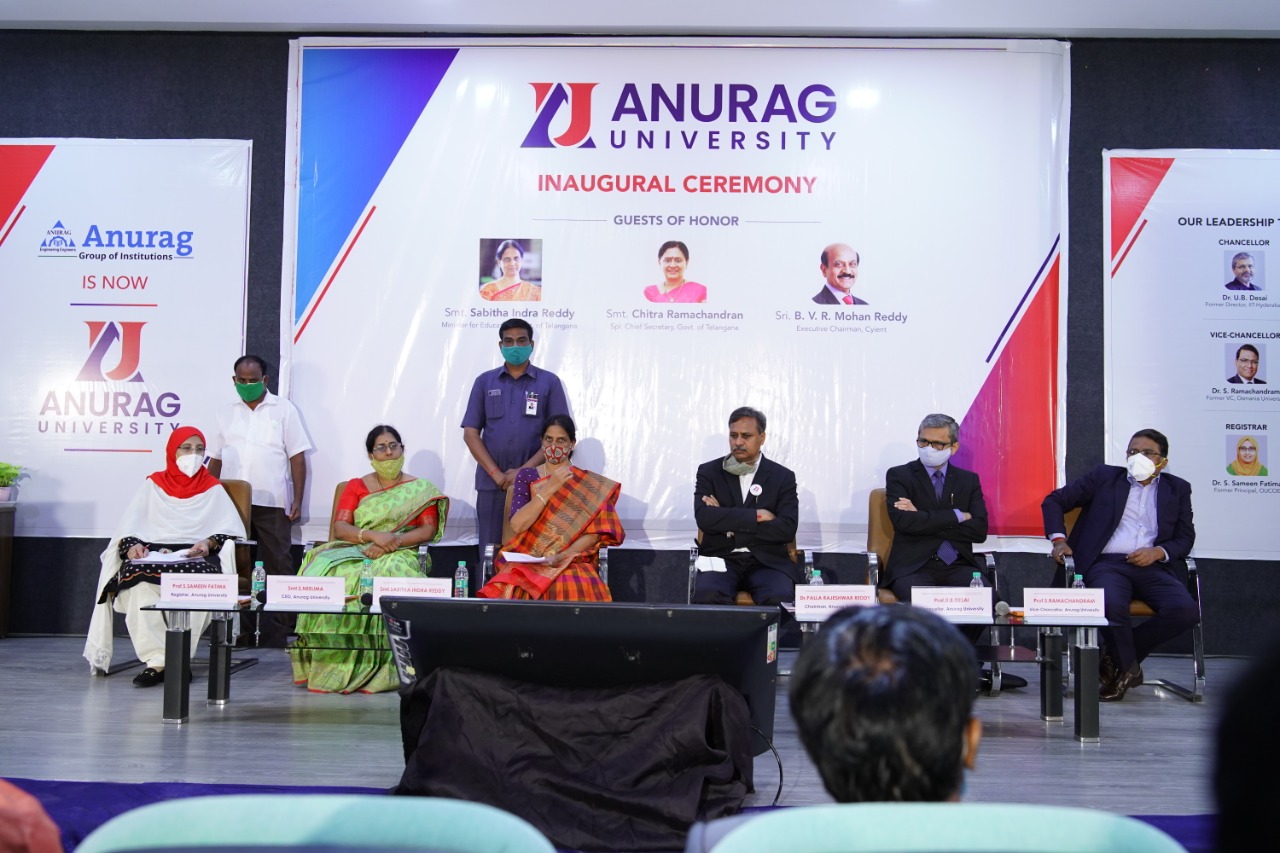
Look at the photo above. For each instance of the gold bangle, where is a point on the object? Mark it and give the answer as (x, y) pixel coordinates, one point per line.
(541, 498)
(361, 529)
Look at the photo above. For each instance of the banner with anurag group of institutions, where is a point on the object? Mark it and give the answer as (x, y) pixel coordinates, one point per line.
(122, 275)
(678, 221)
(1193, 330)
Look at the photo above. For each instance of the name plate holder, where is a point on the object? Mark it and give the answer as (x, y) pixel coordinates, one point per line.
(183, 591)
(410, 588)
(1056, 606)
(963, 605)
(816, 603)
(304, 593)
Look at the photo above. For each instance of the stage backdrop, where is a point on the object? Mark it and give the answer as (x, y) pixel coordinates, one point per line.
(1193, 330)
(122, 275)
(942, 163)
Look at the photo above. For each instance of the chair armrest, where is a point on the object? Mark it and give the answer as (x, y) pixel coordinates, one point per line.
(873, 569)
(1068, 570)
(603, 565)
(989, 563)
(255, 542)
(693, 571)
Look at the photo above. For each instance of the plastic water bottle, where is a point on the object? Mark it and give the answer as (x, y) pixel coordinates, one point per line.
(977, 581)
(365, 585)
(257, 583)
(1078, 583)
(461, 580)
(815, 579)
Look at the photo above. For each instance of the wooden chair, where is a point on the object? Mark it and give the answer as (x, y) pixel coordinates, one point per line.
(424, 553)
(241, 494)
(880, 543)
(1140, 609)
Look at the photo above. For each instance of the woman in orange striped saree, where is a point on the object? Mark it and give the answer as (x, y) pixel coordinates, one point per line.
(562, 516)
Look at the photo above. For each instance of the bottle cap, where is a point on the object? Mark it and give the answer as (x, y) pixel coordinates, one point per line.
(817, 573)
(977, 574)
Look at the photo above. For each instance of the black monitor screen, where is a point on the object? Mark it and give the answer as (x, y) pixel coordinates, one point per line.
(568, 644)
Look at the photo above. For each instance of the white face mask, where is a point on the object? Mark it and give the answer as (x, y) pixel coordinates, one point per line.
(189, 464)
(1140, 467)
(934, 458)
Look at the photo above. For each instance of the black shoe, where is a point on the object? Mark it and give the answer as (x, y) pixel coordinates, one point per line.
(148, 677)
(1108, 672)
(1116, 691)
(1008, 681)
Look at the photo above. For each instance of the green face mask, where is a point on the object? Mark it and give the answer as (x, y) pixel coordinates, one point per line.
(516, 355)
(387, 469)
(251, 392)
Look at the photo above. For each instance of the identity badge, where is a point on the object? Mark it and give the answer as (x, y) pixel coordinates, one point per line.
(530, 403)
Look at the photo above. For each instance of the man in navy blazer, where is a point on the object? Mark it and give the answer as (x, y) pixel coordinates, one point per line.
(1133, 522)
(746, 508)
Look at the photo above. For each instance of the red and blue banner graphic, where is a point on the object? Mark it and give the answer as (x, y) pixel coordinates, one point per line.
(1189, 234)
(122, 271)
(846, 235)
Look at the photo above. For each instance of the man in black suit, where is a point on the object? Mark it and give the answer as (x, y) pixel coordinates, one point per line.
(746, 509)
(1247, 361)
(1242, 266)
(1134, 520)
(839, 265)
(937, 512)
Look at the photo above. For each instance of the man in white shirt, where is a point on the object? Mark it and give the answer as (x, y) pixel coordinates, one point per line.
(260, 439)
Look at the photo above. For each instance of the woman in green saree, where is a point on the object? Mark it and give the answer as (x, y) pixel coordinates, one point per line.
(382, 517)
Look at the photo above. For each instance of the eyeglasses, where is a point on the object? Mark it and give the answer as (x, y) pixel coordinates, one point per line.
(1154, 456)
(936, 445)
(1247, 360)
(388, 447)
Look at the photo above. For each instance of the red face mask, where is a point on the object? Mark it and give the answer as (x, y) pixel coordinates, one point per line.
(555, 453)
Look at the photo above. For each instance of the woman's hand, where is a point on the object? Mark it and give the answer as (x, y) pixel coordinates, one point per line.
(559, 475)
(385, 541)
(373, 551)
(559, 561)
(137, 552)
(200, 549)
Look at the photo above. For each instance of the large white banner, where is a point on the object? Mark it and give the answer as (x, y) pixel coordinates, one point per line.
(1193, 330)
(122, 275)
(942, 164)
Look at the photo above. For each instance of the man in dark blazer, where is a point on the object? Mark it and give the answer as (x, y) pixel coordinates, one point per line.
(746, 509)
(1134, 521)
(1247, 360)
(937, 512)
(839, 265)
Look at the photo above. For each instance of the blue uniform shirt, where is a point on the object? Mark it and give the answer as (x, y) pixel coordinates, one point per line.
(509, 413)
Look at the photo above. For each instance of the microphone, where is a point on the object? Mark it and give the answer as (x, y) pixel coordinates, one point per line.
(1002, 608)
(367, 599)
(261, 596)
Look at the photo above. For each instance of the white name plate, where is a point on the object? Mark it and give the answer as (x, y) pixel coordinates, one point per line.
(965, 605)
(303, 593)
(198, 592)
(410, 588)
(1064, 606)
(816, 603)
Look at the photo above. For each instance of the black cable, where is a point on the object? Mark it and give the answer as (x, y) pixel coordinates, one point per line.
(777, 758)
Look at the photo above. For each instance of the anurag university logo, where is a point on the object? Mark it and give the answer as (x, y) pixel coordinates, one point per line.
(103, 337)
(57, 242)
(549, 98)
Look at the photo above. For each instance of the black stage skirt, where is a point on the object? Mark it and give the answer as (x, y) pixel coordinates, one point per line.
(619, 768)
(131, 574)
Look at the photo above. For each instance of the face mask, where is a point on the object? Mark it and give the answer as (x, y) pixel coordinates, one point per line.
(189, 464)
(555, 453)
(1140, 467)
(516, 355)
(251, 392)
(934, 458)
(387, 469)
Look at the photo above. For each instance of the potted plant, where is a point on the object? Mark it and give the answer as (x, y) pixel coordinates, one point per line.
(8, 476)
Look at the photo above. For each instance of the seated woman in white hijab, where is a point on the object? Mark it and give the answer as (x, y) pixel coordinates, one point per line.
(182, 508)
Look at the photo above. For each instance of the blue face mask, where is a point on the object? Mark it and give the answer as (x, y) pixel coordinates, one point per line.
(516, 355)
